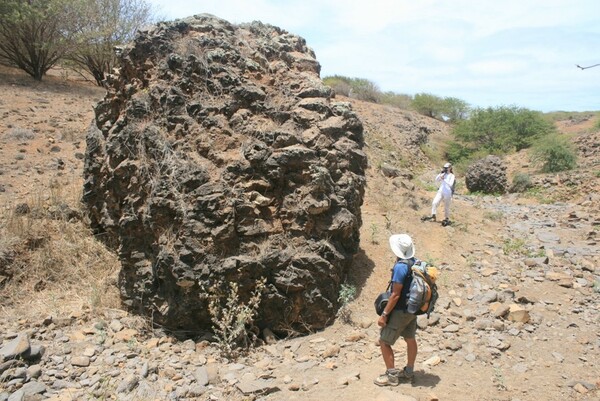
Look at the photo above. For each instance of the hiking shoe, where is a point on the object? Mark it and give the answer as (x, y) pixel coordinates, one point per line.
(445, 222)
(389, 378)
(432, 218)
(405, 376)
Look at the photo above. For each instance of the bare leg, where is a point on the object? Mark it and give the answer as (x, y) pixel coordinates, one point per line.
(388, 354)
(411, 352)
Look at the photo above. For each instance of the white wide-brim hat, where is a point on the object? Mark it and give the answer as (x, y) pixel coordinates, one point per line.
(402, 246)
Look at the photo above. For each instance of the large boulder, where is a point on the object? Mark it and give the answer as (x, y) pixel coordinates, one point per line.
(218, 156)
(487, 175)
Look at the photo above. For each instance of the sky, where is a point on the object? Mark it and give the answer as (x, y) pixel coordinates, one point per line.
(488, 53)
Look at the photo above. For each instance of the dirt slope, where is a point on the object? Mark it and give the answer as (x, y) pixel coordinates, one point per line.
(501, 252)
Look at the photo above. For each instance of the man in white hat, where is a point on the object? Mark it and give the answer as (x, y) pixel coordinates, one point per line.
(395, 322)
(446, 180)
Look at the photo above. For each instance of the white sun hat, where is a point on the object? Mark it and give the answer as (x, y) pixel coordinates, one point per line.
(402, 246)
(447, 165)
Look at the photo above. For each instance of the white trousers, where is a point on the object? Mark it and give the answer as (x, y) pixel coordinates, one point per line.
(436, 201)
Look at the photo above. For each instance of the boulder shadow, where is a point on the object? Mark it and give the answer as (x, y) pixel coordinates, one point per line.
(360, 270)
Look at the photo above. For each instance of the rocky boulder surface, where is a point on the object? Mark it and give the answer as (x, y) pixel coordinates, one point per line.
(487, 175)
(218, 156)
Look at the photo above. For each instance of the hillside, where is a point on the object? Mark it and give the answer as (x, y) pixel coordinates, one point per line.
(536, 255)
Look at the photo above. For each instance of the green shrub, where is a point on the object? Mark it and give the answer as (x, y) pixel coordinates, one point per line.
(347, 295)
(515, 246)
(554, 154)
(521, 182)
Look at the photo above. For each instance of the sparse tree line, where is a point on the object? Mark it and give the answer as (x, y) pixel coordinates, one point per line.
(36, 35)
(477, 132)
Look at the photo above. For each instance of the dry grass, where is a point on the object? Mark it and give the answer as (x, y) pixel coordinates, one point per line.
(49, 259)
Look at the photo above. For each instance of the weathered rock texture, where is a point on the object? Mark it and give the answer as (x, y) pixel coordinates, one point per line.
(219, 155)
(487, 175)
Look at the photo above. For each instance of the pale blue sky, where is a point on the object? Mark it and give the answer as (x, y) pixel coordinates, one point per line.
(487, 53)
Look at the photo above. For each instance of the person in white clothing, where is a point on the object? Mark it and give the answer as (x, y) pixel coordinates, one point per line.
(446, 182)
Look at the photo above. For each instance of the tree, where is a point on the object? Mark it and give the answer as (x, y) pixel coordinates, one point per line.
(429, 105)
(106, 24)
(449, 109)
(502, 129)
(455, 109)
(36, 34)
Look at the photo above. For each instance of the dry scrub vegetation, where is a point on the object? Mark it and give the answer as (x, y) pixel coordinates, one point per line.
(47, 249)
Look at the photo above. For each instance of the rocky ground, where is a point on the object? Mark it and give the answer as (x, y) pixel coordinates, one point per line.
(518, 319)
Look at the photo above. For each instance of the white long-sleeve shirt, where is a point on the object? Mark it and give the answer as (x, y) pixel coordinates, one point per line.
(446, 181)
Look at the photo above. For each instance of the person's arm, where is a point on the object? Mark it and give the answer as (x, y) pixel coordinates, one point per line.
(439, 177)
(394, 298)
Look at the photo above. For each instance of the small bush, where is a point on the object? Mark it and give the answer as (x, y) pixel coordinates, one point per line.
(514, 246)
(340, 85)
(521, 182)
(347, 295)
(398, 100)
(357, 88)
(232, 319)
(554, 154)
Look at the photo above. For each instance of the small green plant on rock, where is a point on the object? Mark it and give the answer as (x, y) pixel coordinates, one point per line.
(499, 379)
(232, 318)
(374, 233)
(347, 295)
(516, 246)
(596, 286)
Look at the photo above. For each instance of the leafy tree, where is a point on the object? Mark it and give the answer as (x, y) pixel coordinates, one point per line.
(449, 109)
(502, 129)
(429, 105)
(36, 34)
(455, 109)
(104, 25)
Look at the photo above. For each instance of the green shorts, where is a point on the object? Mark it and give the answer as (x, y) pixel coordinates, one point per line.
(399, 324)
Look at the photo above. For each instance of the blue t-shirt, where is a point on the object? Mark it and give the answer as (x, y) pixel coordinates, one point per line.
(399, 275)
